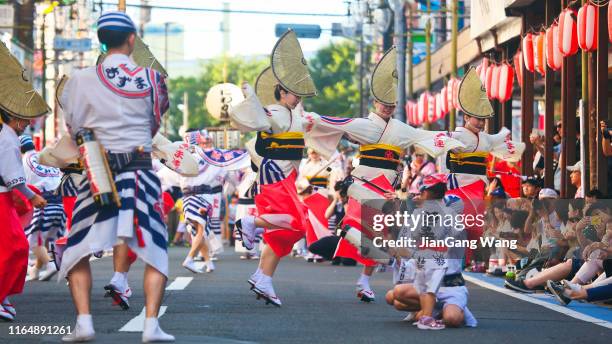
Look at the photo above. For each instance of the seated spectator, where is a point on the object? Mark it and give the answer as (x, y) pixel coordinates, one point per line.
(590, 234)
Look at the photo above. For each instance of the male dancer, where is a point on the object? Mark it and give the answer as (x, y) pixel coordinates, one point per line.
(122, 105)
(17, 107)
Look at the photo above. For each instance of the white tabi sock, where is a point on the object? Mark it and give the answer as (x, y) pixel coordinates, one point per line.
(364, 281)
(153, 333)
(248, 222)
(119, 280)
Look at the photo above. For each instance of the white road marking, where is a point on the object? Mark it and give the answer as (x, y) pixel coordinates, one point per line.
(180, 283)
(556, 308)
(137, 323)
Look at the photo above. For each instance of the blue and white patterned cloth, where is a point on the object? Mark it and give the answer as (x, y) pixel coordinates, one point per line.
(138, 222)
(47, 223)
(116, 21)
(191, 209)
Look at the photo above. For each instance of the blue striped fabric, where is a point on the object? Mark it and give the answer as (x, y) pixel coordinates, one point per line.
(68, 186)
(270, 172)
(96, 228)
(214, 225)
(50, 220)
(191, 209)
(116, 21)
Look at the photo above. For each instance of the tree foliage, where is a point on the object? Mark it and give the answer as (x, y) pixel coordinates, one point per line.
(334, 72)
(237, 69)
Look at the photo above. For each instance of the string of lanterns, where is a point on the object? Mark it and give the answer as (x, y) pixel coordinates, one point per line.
(569, 32)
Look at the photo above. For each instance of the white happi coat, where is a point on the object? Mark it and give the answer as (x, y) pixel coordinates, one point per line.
(44, 178)
(11, 168)
(499, 145)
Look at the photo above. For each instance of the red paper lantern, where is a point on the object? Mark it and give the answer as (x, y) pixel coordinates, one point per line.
(554, 59)
(518, 67)
(423, 107)
(483, 69)
(539, 57)
(449, 95)
(489, 81)
(455, 98)
(444, 99)
(495, 82)
(610, 21)
(432, 114)
(528, 52)
(506, 82)
(588, 25)
(568, 37)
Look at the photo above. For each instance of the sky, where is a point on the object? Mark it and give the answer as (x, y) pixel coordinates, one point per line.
(250, 34)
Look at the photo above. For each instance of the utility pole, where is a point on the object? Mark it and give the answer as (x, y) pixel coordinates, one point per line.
(454, 33)
(428, 55)
(361, 71)
(585, 140)
(409, 52)
(400, 35)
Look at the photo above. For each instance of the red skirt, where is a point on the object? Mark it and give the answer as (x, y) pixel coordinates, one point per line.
(14, 253)
(354, 217)
(472, 196)
(278, 204)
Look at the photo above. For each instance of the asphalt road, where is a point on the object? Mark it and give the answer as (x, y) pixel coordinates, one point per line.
(319, 306)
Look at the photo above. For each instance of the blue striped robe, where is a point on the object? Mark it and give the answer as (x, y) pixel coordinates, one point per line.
(96, 229)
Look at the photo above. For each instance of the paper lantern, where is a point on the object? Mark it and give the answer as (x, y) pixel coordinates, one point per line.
(455, 98)
(423, 107)
(483, 70)
(539, 58)
(554, 59)
(439, 107)
(449, 94)
(518, 67)
(489, 81)
(506, 82)
(568, 37)
(527, 47)
(610, 21)
(588, 24)
(432, 114)
(444, 99)
(495, 82)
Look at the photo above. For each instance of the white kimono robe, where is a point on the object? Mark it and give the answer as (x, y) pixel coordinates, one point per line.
(499, 145)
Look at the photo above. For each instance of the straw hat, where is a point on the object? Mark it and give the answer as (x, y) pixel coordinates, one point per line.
(59, 89)
(472, 96)
(143, 57)
(17, 96)
(264, 86)
(384, 79)
(290, 67)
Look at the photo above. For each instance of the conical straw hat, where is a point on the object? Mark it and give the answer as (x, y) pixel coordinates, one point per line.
(60, 89)
(264, 86)
(142, 56)
(17, 96)
(472, 96)
(384, 78)
(290, 67)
